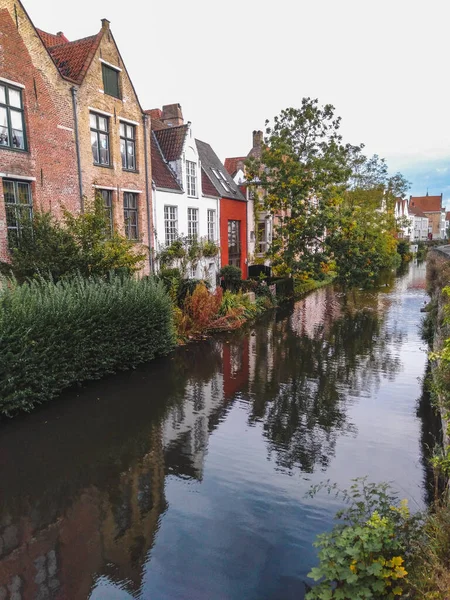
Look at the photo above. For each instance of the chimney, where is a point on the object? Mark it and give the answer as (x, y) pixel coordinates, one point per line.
(60, 34)
(105, 24)
(172, 115)
(257, 139)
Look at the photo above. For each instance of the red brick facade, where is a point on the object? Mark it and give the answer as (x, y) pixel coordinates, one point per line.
(49, 163)
(233, 210)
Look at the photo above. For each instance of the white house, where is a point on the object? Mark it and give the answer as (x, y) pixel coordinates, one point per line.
(403, 219)
(181, 208)
(419, 224)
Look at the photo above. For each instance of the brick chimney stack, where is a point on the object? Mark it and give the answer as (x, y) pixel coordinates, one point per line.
(105, 24)
(257, 139)
(172, 115)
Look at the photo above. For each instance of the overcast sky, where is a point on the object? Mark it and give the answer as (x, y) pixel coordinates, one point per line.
(384, 66)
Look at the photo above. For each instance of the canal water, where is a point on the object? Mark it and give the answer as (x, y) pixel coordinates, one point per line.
(186, 479)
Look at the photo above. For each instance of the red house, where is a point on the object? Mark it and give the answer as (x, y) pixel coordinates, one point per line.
(233, 209)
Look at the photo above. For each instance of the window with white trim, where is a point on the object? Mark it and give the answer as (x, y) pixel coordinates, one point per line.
(128, 146)
(130, 214)
(12, 124)
(110, 81)
(192, 223)
(107, 203)
(19, 209)
(211, 225)
(99, 138)
(191, 178)
(170, 223)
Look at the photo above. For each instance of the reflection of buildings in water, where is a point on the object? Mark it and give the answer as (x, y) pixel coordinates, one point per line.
(315, 312)
(109, 531)
(185, 429)
(103, 532)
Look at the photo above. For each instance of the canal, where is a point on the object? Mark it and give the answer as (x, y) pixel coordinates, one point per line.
(186, 478)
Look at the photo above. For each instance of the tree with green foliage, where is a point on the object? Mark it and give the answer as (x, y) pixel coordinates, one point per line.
(82, 243)
(333, 205)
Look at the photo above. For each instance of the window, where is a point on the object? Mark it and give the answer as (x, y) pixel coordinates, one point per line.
(12, 128)
(222, 179)
(99, 138)
(107, 203)
(19, 209)
(191, 178)
(130, 214)
(192, 223)
(234, 243)
(211, 225)
(170, 223)
(110, 81)
(262, 237)
(128, 146)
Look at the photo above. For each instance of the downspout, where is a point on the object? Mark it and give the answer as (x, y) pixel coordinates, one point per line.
(77, 145)
(147, 197)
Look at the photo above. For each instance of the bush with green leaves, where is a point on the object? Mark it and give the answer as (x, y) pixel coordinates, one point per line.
(53, 335)
(82, 243)
(231, 277)
(364, 556)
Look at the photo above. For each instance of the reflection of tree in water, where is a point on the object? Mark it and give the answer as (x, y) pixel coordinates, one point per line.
(302, 385)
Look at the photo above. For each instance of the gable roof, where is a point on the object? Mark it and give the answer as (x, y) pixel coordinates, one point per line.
(162, 174)
(73, 58)
(208, 188)
(232, 164)
(417, 212)
(171, 141)
(426, 203)
(51, 39)
(210, 161)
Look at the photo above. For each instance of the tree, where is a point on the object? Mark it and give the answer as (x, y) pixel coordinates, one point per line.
(302, 171)
(80, 243)
(332, 205)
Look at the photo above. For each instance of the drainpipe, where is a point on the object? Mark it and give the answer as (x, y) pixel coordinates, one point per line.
(147, 197)
(77, 145)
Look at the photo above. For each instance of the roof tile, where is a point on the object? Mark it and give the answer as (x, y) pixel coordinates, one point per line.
(171, 141)
(51, 39)
(211, 161)
(74, 58)
(208, 188)
(232, 164)
(426, 203)
(162, 175)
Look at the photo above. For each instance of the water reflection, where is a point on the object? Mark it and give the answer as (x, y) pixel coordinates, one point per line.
(84, 480)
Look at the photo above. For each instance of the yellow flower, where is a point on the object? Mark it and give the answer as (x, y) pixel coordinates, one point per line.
(397, 561)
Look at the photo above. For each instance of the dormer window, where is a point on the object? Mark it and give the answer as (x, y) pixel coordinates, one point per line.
(191, 178)
(111, 80)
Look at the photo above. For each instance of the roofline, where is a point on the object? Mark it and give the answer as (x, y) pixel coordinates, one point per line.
(126, 71)
(39, 37)
(163, 189)
(152, 133)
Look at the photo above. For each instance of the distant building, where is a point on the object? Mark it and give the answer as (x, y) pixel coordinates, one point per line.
(419, 225)
(431, 207)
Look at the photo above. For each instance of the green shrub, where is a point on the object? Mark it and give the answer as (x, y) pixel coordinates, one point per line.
(53, 335)
(231, 278)
(364, 556)
(80, 243)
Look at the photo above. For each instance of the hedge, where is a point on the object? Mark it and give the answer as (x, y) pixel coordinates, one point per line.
(53, 335)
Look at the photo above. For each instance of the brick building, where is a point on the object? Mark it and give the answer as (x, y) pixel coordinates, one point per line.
(70, 125)
(431, 207)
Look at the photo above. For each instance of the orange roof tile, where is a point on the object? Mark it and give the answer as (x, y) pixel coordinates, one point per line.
(171, 141)
(232, 164)
(447, 216)
(426, 203)
(417, 212)
(162, 175)
(73, 58)
(51, 39)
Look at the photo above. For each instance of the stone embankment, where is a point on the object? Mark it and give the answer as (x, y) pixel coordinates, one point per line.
(437, 329)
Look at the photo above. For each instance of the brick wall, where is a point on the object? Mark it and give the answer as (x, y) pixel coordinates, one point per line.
(50, 158)
(92, 96)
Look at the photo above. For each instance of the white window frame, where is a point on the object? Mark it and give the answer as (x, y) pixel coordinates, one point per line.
(191, 178)
(193, 222)
(170, 223)
(211, 224)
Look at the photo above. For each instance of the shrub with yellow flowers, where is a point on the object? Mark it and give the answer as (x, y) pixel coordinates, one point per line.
(363, 557)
